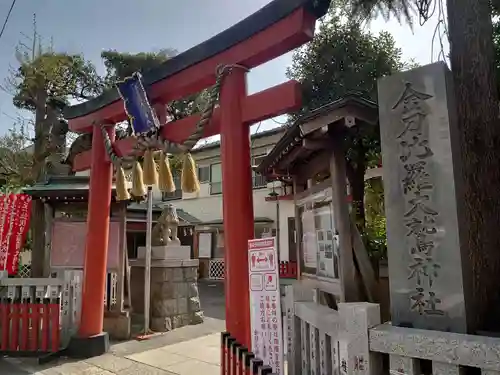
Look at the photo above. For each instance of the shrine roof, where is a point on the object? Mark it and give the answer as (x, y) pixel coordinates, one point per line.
(257, 220)
(243, 30)
(345, 106)
(158, 206)
(61, 186)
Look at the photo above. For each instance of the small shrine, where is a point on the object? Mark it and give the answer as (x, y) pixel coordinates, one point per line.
(310, 161)
(66, 206)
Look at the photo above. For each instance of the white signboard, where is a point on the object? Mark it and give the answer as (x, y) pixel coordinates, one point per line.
(310, 246)
(205, 245)
(265, 307)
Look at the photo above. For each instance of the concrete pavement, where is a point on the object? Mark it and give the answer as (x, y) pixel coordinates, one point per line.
(165, 354)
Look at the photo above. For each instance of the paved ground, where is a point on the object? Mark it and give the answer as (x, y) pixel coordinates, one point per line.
(187, 350)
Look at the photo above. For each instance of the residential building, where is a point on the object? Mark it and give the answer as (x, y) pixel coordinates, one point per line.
(205, 207)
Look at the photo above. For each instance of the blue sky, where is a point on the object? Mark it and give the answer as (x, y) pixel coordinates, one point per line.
(91, 26)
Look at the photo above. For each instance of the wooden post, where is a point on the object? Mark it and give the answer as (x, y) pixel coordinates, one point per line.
(49, 219)
(298, 229)
(237, 204)
(122, 254)
(96, 247)
(342, 222)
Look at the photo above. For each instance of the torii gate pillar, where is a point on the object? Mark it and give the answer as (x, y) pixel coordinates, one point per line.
(94, 278)
(237, 201)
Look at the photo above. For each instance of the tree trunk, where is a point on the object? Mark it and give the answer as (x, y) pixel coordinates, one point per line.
(473, 69)
(37, 211)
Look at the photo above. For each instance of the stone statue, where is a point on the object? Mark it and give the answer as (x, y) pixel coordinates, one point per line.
(166, 227)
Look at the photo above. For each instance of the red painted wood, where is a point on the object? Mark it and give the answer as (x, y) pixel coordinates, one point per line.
(284, 36)
(54, 310)
(25, 321)
(237, 204)
(14, 321)
(44, 347)
(223, 354)
(265, 104)
(35, 326)
(4, 311)
(96, 245)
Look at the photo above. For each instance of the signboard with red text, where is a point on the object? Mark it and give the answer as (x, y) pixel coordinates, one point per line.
(265, 307)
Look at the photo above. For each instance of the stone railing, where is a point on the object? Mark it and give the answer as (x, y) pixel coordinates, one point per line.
(321, 340)
(351, 340)
(447, 351)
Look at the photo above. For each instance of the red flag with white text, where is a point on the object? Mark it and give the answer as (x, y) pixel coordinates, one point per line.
(15, 212)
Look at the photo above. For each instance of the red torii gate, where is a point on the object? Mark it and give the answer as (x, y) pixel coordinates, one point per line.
(278, 28)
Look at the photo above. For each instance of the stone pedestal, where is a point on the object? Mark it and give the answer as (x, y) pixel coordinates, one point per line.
(117, 325)
(175, 300)
(166, 252)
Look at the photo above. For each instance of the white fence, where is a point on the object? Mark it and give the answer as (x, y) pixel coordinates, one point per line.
(323, 341)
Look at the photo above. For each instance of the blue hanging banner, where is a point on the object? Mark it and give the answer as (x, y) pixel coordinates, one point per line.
(135, 99)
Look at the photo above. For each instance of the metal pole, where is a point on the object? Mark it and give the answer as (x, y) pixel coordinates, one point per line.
(147, 260)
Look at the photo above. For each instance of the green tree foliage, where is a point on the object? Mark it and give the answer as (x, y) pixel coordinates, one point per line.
(53, 78)
(16, 165)
(343, 58)
(374, 235)
(120, 65)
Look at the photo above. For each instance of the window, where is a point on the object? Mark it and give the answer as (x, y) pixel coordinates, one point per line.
(204, 174)
(215, 179)
(258, 180)
(177, 194)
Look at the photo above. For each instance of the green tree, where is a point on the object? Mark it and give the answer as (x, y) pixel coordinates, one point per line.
(345, 58)
(473, 67)
(120, 65)
(15, 160)
(43, 84)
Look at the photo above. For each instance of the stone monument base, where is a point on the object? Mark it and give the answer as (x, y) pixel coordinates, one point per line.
(175, 301)
(117, 324)
(166, 252)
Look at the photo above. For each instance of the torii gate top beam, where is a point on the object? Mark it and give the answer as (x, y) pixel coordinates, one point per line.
(274, 30)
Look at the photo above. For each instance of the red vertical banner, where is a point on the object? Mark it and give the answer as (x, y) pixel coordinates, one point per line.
(15, 210)
(21, 221)
(5, 227)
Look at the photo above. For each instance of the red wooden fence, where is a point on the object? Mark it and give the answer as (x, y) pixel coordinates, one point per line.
(238, 360)
(29, 327)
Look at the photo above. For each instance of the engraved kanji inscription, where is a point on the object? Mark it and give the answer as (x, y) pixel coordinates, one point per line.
(420, 218)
